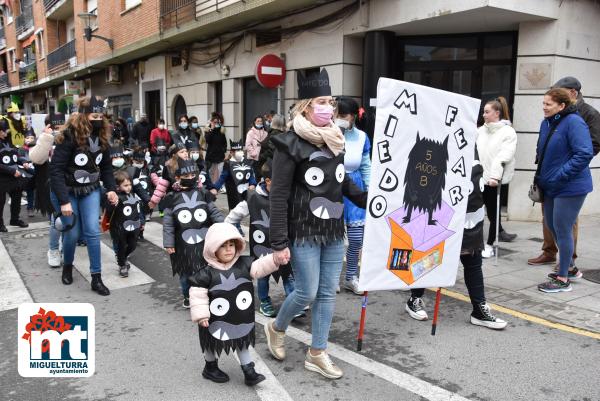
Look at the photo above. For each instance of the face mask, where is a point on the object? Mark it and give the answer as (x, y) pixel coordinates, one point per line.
(17, 116)
(189, 182)
(97, 125)
(267, 125)
(194, 125)
(238, 155)
(195, 156)
(138, 165)
(342, 123)
(161, 148)
(183, 125)
(258, 126)
(147, 157)
(217, 125)
(161, 126)
(118, 162)
(322, 114)
(30, 142)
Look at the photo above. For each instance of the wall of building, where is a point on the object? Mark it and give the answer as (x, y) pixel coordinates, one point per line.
(548, 51)
(152, 77)
(129, 85)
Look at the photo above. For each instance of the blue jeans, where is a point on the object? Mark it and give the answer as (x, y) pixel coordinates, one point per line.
(30, 198)
(317, 271)
(53, 236)
(262, 286)
(560, 215)
(185, 286)
(87, 209)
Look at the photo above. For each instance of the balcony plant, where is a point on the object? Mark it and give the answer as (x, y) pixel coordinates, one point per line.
(31, 76)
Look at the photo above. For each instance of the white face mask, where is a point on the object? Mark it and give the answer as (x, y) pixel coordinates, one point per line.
(161, 126)
(342, 123)
(118, 162)
(17, 116)
(138, 165)
(195, 156)
(238, 155)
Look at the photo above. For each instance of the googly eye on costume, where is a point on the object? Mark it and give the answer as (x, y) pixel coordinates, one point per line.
(98, 159)
(127, 210)
(239, 175)
(81, 159)
(340, 172)
(6, 159)
(314, 176)
(243, 300)
(200, 215)
(258, 236)
(184, 217)
(202, 178)
(15, 158)
(138, 207)
(247, 176)
(219, 306)
(481, 184)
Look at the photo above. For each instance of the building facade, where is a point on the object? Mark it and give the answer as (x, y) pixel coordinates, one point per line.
(192, 57)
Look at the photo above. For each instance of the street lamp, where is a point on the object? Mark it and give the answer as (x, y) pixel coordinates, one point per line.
(89, 19)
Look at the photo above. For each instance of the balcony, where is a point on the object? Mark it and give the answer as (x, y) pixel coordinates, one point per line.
(58, 9)
(204, 7)
(61, 57)
(28, 74)
(24, 22)
(2, 38)
(4, 85)
(176, 12)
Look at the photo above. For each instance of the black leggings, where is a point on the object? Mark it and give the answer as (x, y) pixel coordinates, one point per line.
(15, 204)
(125, 244)
(490, 200)
(473, 279)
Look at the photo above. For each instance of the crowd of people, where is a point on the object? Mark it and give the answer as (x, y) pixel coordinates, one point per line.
(89, 174)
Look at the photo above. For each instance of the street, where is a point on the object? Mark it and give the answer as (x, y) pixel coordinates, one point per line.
(147, 347)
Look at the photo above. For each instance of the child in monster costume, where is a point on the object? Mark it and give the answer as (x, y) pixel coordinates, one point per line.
(221, 299)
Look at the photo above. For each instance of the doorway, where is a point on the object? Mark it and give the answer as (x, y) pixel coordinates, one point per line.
(152, 103)
(257, 102)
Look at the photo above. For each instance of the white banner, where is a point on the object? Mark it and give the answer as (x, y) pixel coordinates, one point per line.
(423, 148)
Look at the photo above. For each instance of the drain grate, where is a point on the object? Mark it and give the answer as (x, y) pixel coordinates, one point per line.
(592, 275)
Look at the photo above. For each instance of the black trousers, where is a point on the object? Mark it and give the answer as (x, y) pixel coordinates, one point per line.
(490, 200)
(125, 243)
(15, 204)
(473, 279)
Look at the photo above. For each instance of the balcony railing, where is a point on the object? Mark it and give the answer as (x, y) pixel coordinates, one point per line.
(208, 6)
(60, 57)
(24, 21)
(4, 82)
(176, 12)
(2, 38)
(28, 74)
(48, 4)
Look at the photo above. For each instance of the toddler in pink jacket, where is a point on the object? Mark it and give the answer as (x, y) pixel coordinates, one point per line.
(222, 301)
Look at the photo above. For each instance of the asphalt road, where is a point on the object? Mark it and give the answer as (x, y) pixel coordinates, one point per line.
(147, 348)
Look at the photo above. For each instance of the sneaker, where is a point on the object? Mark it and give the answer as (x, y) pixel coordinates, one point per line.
(337, 289)
(123, 271)
(554, 285)
(186, 303)
(506, 237)
(161, 214)
(322, 364)
(275, 341)
(30, 213)
(543, 259)
(266, 308)
(223, 190)
(3, 228)
(299, 315)
(488, 252)
(81, 242)
(54, 257)
(352, 285)
(574, 274)
(415, 308)
(482, 316)
(19, 223)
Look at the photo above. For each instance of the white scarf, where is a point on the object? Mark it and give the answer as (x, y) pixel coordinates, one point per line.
(329, 135)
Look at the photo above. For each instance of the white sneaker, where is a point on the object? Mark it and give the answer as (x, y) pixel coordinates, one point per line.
(482, 316)
(414, 307)
(488, 252)
(54, 258)
(352, 285)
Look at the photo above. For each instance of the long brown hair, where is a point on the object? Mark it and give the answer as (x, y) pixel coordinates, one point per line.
(500, 105)
(79, 127)
(559, 95)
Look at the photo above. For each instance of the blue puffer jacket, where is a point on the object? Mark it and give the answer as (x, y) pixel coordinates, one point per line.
(565, 169)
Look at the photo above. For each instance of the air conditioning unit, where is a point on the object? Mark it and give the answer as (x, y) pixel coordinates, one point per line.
(112, 74)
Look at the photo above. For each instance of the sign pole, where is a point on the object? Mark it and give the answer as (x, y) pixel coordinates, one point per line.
(436, 309)
(363, 315)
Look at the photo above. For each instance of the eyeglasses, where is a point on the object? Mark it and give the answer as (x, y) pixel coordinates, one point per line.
(324, 102)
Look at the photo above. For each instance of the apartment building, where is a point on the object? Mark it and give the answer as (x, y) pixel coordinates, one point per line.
(173, 57)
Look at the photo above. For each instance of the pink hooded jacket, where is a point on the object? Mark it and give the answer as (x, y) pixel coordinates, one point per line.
(217, 234)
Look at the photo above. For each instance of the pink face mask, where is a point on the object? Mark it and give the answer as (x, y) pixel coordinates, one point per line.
(322, 114)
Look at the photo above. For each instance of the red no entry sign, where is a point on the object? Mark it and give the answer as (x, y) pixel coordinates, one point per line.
(270, 71)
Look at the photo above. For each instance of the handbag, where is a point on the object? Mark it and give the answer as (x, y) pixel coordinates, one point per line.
(535, 192)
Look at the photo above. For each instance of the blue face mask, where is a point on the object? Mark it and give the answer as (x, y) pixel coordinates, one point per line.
(258, 126)
(194, 125)
(183, 125)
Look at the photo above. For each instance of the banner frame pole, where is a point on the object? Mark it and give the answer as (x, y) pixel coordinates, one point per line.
(363, 316)
(436, 309)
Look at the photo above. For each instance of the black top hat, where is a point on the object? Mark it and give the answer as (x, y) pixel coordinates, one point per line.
(96, 106)
(116, 150)
(176, 147)
(186, 167)
(314, 84)
(235, 145)
(139, 154)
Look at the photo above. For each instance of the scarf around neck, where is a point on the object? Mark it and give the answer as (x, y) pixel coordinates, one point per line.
(330, 135)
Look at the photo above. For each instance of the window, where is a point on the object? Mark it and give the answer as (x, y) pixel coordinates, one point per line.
(92, 8)
(8, 15)
(179, 108)
(39, 44)
(127, 4)
(175, 61)
(12, 60)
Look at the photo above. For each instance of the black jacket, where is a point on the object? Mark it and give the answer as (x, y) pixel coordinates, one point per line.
(591, 116)
(216, 145)
(141, 133)
(307, 192)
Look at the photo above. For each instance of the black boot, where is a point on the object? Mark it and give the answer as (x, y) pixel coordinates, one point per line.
(98, 285)
(213, 373)
(67, 274)
(3, 228)
(251, 378)
(19, 223)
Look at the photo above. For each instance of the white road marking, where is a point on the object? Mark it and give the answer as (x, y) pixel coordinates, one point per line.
(110, 269)
(394, 376)
(12, 289)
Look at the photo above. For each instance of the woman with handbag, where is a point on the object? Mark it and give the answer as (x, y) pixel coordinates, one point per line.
(563, 178)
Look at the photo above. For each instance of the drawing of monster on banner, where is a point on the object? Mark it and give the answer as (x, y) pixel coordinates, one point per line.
(420, 181)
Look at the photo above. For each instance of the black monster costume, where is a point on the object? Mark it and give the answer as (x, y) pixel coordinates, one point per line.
(425, 177)
(238, 177)
(231, 305)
